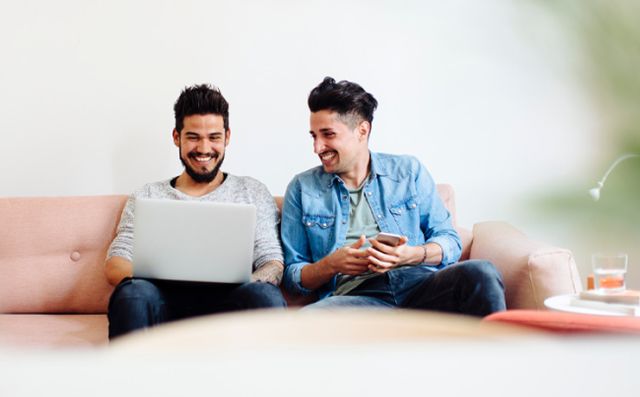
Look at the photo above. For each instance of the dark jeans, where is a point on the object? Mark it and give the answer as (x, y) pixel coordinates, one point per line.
(471, 287)
(140, 303)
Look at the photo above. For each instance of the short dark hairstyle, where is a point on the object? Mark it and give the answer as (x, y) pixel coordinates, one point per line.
(200, 99)
(345, 98)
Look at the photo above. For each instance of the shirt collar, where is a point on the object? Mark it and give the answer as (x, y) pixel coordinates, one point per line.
(377, 167)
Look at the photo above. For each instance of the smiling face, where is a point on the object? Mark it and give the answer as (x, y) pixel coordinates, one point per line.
(342, 149)
(202, 144)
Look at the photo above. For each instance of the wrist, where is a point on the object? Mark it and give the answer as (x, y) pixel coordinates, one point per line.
(416, 256)
(425, 254)
(327, 266)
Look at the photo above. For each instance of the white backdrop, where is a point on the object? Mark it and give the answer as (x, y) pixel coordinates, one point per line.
(482, 92)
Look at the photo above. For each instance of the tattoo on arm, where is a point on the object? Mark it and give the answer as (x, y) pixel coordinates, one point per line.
(270, 272)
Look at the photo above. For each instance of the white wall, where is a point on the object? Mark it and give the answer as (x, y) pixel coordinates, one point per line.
(87, 89)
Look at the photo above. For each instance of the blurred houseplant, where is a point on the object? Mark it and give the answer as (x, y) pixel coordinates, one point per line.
(608, 34)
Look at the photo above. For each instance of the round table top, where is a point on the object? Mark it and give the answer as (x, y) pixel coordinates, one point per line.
(563, 303)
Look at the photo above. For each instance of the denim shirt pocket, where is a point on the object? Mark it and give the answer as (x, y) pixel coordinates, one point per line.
(320, 231)
(407, 217)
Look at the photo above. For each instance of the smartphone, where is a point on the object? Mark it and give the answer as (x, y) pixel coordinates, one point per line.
(389, 238)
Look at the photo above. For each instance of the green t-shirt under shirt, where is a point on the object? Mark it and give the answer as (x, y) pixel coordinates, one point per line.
(361, 221)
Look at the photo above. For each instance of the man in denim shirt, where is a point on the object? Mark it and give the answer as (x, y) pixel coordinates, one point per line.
(332, 214)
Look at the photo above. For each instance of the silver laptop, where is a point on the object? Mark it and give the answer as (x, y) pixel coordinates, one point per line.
(193, 240)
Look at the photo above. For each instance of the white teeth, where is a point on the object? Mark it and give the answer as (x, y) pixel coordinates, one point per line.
(207, 158)
(327, 155)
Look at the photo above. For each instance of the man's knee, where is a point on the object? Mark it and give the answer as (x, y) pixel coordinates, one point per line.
(260, 295)
(135, 304)
(485, 288)
(480, 271)
(135, 289)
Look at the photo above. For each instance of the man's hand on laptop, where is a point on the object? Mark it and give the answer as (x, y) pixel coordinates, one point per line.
(270, 272)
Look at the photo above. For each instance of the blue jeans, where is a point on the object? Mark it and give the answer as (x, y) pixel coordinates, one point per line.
(140, 303)
(471, 287)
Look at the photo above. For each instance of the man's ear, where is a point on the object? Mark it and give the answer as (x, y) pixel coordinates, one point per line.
(364, 128)
(227, 137)
(176, 137)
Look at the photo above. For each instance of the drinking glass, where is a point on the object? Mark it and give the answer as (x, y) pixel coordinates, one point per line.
(609, 271)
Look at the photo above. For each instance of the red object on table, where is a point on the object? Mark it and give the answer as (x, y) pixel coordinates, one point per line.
(561, 322)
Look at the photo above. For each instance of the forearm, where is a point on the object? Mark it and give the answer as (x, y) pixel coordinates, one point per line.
(315, 275)
(434, 254)
(433, 257)
(350, 260)
(270, 272)
(117, 268)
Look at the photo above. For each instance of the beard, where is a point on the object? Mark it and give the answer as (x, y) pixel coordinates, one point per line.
(199, 176)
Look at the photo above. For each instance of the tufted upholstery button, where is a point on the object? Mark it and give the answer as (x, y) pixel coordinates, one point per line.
(75, 256)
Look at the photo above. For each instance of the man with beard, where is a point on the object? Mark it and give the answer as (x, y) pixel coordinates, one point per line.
(202, 134)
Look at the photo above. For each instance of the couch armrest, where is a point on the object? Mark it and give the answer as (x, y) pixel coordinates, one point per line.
(532, 271)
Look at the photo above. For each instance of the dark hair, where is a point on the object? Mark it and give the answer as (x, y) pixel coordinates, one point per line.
(200, 99)
(344, 97)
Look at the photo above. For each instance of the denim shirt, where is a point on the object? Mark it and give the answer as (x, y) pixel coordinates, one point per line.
(402, 197)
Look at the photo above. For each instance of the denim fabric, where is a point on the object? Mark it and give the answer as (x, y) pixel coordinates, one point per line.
(472, 287)
(402, 197)
(141, 303)
(349, 301)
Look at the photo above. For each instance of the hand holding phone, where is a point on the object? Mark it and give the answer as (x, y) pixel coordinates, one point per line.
(389, 238)
(387, 251)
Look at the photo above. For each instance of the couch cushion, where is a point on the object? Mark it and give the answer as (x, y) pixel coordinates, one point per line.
(52, 253)
(53, 330)
(532, 271)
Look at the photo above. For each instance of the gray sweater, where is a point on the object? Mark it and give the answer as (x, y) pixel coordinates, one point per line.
(234, 189)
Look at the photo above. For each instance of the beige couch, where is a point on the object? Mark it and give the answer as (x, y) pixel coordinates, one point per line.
(53, 291)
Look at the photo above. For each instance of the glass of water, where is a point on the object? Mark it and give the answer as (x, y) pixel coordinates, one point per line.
(609, 271)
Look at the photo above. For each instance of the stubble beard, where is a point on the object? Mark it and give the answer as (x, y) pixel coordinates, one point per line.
(200, 177)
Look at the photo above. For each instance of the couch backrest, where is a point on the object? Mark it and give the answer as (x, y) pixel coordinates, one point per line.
(52, 251)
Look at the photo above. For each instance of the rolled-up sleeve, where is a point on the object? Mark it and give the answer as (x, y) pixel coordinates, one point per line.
(295, 244)
(435, 219)
(266, 246)
(122, 244)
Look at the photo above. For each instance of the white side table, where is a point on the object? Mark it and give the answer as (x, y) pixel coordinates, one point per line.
(562, 303)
